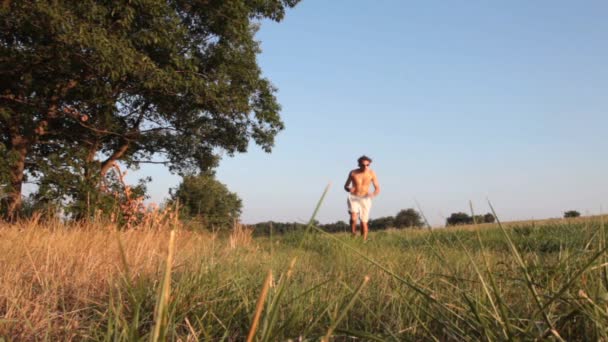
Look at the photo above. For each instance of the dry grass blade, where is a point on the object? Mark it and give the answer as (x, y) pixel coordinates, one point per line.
(160, 313)
(273, 309)
(259, 306)
(240, 236)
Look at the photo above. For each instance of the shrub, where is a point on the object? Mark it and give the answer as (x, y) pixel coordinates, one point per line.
(458, 219)
(408, 218)
(571, 213)
(205, 199)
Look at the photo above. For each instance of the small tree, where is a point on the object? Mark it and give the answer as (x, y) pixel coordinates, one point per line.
(489, 218)
(408, 218)
(458, 219)
(571, 213)
(205, 199)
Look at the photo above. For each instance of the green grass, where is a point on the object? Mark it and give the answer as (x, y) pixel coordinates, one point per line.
(523, 282)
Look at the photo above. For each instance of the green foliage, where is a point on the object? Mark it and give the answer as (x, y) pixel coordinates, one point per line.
(571, 213)
(208, 201)
(408, 218)
(69, 183)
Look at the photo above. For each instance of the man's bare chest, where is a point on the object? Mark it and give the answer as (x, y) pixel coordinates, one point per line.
(361, 178)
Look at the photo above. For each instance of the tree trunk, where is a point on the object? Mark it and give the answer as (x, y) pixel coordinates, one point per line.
(19, 149)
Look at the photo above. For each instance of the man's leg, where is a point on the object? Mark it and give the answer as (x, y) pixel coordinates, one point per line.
(364, 230)
(353, 223)
(365, 207)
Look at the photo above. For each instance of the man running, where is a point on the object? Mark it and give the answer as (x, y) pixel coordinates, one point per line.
(359, 197)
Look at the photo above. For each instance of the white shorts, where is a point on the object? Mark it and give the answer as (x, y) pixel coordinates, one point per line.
(360, 205)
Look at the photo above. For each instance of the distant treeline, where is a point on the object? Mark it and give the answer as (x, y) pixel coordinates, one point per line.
(407, 218)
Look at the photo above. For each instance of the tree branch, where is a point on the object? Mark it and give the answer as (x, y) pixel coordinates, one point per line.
(165, 162)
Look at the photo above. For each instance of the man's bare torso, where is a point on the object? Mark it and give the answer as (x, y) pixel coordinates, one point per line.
(361, 180)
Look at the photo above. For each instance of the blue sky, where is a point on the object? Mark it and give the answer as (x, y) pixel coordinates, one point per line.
(474, 100)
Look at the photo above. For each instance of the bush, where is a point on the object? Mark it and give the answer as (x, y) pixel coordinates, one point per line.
(205, 199)
(408, 218)
(571, 213)
(458, 219)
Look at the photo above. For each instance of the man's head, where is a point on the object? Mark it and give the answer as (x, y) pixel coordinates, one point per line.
(364, 162)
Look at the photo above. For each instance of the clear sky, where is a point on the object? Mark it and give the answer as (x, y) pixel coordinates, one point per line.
(453, 101)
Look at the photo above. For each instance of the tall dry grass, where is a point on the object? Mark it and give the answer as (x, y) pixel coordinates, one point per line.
(54, 274)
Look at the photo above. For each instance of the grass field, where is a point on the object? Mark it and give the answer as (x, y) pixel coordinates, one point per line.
(524, 281)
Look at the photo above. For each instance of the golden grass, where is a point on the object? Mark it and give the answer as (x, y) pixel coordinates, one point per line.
(240, 236)
(52, 273)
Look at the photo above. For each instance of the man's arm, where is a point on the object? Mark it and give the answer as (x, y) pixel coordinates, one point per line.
(348, 182)
(376, 185)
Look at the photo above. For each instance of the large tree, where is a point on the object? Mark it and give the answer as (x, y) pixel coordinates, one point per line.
(174, 81)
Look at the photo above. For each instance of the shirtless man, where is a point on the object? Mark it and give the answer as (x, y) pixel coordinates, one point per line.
(359, 197)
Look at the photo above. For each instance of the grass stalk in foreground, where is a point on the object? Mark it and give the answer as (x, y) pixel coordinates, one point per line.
(273, 309)
(259, 306)
(160, 314)
(310, 224)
